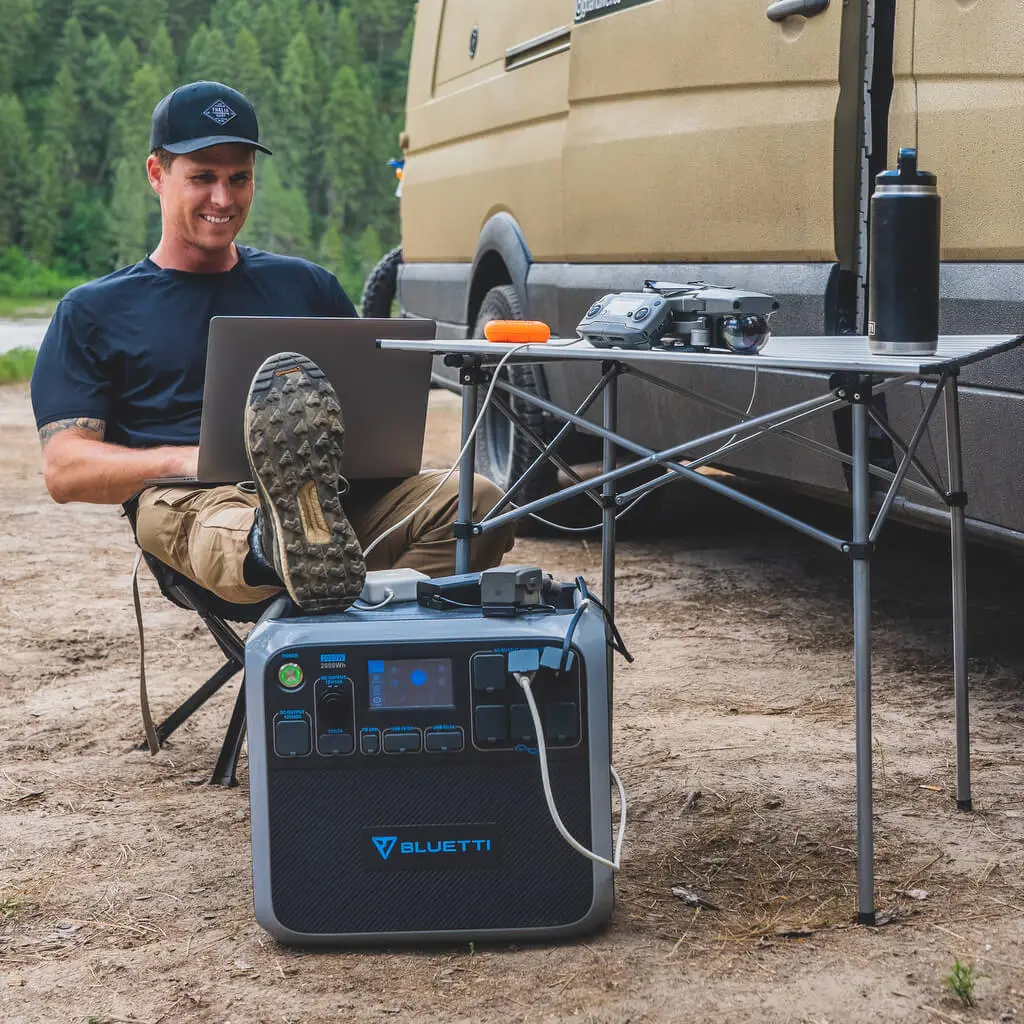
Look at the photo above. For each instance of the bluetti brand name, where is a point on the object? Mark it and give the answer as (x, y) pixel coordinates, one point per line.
(432, 847)
(386, 845)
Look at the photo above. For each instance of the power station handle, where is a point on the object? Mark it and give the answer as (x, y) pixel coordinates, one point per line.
(783, 9)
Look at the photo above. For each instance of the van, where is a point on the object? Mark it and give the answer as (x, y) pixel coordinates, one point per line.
(559, 150)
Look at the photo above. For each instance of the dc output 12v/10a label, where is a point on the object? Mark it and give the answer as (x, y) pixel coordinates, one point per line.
(431, 847)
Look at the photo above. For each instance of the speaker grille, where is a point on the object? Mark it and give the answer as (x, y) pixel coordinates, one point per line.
(321, 884)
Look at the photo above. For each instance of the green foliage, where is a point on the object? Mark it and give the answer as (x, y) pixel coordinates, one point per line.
(15, 366)
(961, 981)
(78, 83)
(14, 156)
(132, 200)
(22, 277)
(9, 905)
(18, 18)
(41, 214)
(279, 218)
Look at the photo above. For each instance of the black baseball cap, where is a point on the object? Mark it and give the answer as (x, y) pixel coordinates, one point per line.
(203, 114)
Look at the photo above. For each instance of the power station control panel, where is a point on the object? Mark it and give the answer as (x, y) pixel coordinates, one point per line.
(327, 705)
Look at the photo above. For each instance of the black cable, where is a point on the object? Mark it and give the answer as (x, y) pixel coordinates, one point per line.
(454, 603)
(528, 609)
(563, 660)
(617, 643)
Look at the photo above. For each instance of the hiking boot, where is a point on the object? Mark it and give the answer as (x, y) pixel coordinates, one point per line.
(294, 438)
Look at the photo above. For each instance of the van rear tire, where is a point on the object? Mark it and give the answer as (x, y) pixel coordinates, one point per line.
(503, 452)
(381, 285)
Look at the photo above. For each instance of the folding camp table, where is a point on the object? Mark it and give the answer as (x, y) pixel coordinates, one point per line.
(850, 376)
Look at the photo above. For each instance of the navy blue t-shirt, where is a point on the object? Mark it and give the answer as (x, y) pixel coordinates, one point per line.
(130, 348)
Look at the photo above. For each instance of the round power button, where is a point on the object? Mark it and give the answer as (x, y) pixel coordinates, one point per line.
(289, 676)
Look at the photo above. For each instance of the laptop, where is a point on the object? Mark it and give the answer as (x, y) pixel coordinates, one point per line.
(383, 395)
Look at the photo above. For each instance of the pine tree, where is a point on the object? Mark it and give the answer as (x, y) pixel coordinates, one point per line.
(134, 201)
(42, 213)
(18, 18)
(231, 16)
(349, 119)
(96, 16)
(299, 110)
(395, 75)
(15, 170)
(43, 59)
(275, 24)
(103, 92)
(279, 218)
(368, 250)
(84, 244)
(314, 24)
(131, 130)
(160, 57)
(346, 41)
(62, 122)
(128, 62)
(251, 77)
(379, 24)
(183, 18)
(141, 20)
(331, 251)
(73, 49)
(208, 57)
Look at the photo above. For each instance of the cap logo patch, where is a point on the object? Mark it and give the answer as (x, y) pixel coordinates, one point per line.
(219, 112)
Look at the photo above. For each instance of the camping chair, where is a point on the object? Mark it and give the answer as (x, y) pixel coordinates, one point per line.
(216, 614)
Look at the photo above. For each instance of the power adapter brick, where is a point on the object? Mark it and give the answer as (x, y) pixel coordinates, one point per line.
(400, 583)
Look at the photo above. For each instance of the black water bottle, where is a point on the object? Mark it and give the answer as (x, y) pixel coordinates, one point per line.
(903, 261)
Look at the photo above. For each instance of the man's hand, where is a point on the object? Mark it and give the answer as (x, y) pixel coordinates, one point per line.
(188, 461)
(78, 465)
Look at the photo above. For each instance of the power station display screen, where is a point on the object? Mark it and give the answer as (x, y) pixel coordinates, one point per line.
(411, 683)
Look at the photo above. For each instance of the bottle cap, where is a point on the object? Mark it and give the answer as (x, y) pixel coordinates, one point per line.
(906, 172)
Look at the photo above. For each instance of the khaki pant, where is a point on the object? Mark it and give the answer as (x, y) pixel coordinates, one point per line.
(203, 533)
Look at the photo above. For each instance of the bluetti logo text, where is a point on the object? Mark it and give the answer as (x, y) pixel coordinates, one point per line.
(386, 845)
(446, 846)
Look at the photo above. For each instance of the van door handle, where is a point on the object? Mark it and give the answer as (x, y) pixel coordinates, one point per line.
(783, 9)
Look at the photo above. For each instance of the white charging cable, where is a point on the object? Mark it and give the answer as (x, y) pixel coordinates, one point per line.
(472, 433)
(389, 596)
(523, 678)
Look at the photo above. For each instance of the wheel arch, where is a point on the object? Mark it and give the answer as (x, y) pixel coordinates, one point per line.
(502, 257)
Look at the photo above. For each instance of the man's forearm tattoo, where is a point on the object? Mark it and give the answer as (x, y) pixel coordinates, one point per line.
(85, 423)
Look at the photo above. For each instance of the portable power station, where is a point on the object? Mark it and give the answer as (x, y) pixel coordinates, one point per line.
(395, 780)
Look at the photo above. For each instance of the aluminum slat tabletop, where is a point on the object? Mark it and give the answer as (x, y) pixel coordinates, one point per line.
(836, 354)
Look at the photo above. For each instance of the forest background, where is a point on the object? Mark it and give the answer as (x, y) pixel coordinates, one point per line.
(78, 83)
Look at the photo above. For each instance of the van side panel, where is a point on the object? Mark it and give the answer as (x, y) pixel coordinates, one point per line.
(482, 138)
(715, 145)
(969, 70)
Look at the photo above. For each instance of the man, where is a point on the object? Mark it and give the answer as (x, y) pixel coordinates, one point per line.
(117, 394)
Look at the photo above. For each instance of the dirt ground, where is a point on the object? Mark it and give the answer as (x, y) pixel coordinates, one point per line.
(125, 889)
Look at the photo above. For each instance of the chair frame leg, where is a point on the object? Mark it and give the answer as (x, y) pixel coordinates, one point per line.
(225, 770)
(188, 707)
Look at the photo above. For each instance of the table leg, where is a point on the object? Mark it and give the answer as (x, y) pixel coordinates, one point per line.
(470, 398)
(610, 420)
(958, 545)
(608, 489)
(862, 664)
